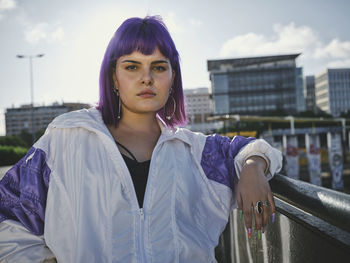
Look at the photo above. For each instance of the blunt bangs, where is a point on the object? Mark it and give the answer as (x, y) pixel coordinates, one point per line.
(141, 38)
(144, 36)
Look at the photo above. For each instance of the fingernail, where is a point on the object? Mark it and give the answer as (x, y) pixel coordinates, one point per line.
(240, 214)
(249, 233)
(259, 234)
(273, 217)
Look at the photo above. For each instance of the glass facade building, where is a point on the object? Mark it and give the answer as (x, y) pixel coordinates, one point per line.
(257, 86)
(333, 91)
(310, 94)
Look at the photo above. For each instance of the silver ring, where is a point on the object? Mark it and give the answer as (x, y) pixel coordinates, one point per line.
(259, 207)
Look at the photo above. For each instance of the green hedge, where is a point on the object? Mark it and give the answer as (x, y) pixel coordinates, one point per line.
(9, 155)
(13, 141)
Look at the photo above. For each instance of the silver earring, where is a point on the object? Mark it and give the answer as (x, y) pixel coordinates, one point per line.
(119, 106)
(174, 109)
(116, 92)
(114, 89)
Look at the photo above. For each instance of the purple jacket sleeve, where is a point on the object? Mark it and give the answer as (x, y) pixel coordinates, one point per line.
(23, 191)
(218, 158)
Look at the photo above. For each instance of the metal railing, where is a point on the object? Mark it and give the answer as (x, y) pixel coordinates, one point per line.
(312, 225)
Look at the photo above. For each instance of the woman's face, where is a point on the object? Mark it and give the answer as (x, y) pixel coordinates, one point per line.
(143, 81)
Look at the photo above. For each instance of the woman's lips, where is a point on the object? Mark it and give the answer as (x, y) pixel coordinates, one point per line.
(146, 94)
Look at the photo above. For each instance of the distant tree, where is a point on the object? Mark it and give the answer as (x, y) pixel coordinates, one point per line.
(279, 112)
(345, 115)
(26, 137)
(311, 114)
(12, 149)
(39, 133)
(12, 141)
(307, 114)
(9, 155)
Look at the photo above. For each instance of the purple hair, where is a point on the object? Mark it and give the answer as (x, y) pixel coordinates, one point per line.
(142, 35)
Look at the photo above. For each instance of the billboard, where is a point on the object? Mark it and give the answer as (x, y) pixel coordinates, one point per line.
(290, 151)
(313, 152)
(335, 155)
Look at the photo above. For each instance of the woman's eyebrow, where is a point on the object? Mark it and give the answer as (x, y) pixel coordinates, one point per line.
(137, 62)
(159, 61)
(130, 61)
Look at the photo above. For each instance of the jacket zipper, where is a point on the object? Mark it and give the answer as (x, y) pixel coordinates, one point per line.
(141, 237)
(141, 234)
(141, 210)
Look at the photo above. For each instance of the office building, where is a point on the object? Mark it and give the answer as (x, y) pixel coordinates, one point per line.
(310, 95)
(257, 85)
(199, 106)
(20, 119)
(333, 91)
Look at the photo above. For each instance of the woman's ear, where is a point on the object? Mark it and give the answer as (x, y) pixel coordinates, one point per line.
(115, 81)
(172, 83)
(172, 78)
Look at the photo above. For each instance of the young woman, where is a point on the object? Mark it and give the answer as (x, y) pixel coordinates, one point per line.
(119, 183)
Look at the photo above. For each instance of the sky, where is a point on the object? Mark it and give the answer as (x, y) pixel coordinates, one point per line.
(73, 36)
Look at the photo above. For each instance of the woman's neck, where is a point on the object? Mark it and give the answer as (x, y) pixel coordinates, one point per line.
(138, 133)
(145, 123)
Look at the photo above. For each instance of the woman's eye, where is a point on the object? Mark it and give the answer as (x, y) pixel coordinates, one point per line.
(159, 68)
(130, 67)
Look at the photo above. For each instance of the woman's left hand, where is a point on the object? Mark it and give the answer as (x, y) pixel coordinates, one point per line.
(252, 188)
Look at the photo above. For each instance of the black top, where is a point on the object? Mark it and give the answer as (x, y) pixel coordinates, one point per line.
(139, 174)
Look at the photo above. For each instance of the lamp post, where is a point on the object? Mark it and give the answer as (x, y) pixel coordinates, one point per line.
(30, 57)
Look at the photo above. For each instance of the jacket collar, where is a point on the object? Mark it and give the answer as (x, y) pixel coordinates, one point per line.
(172, 133)
(91, 119)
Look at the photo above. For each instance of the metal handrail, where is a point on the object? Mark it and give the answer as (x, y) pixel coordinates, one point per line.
(329, 205)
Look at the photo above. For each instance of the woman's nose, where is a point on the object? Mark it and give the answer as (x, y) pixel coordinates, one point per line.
(147, 78)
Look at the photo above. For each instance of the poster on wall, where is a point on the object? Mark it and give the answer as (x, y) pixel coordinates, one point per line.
(290, 151)
(335, 157)
(313, 151)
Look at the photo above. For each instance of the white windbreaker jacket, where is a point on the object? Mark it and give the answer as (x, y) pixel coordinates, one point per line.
(72, 197)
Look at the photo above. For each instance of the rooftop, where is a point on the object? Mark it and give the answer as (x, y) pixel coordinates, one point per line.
(244, 62)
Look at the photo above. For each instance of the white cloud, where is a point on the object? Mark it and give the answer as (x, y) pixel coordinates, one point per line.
(7, 4)
(44, 32)
(285, 39)
(247, 44)
(176, 26)
(339, 63)
(335, 49)
(195, 22)
(173, 25)
(37, 33)
(57, 34)
(288, 39)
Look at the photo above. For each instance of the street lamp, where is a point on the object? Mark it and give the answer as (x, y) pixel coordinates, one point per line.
(30, 57)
